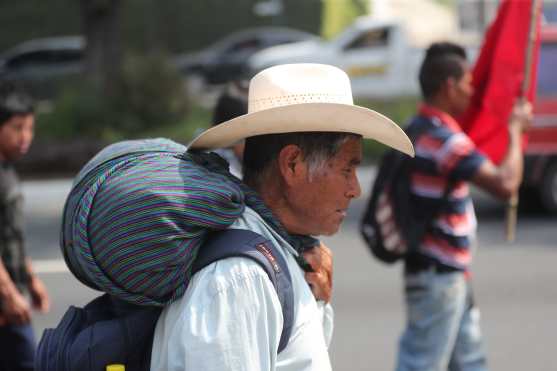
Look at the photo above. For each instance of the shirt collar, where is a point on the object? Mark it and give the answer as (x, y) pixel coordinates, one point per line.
(446, 119)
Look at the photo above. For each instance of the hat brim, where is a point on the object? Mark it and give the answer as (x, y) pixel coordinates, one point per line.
(307, 117)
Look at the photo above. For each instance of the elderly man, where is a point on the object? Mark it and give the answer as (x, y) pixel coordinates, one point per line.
(303, 145)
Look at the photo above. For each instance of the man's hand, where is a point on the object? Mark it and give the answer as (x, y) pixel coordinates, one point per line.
(521, 115)
(321, 279)
(39, 295)
(15, 309)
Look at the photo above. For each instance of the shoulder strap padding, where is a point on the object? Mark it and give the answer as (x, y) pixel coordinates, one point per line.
(244, 243)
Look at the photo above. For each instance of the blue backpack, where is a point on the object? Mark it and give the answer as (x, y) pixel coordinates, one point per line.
(106, 226)
(111, 331)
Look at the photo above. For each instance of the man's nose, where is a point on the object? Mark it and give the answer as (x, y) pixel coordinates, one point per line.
(354, 191)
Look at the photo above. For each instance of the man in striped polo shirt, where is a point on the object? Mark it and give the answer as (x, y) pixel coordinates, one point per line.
(442, 329)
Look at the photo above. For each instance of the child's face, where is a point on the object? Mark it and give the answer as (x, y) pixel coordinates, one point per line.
(16, 136)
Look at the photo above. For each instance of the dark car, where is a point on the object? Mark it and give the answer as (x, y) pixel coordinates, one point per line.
(226, 59)
(42, 63)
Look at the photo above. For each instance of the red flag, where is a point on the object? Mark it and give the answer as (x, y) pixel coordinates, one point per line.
(498, 76)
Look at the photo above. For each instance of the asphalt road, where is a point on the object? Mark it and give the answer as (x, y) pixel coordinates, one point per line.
(515, 285)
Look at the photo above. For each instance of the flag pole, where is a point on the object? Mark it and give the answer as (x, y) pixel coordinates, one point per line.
(512, 205)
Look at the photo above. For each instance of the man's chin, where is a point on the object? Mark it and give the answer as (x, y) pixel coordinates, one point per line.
(331, 231)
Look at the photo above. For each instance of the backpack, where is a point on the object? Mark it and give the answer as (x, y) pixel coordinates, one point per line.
(142, 217)
(109, 330)
(394, 222)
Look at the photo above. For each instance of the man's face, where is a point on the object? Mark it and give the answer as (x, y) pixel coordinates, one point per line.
(16, 136)
(319, 201)
(461, 92)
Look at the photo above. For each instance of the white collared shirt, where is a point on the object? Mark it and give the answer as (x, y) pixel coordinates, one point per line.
(230, 318)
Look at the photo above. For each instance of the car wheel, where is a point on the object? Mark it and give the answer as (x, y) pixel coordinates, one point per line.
(548, 189)
(530, 199)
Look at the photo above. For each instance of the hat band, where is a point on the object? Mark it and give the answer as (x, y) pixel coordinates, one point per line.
(255, 105)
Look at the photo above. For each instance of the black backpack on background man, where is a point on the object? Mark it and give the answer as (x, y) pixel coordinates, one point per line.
(394, 223)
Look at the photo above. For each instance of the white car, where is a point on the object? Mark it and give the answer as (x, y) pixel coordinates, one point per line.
(376, 54)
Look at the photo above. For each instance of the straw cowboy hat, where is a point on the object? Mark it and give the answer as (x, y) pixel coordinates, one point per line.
(303, 98)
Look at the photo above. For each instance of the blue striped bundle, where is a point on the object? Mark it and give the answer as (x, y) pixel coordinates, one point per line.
(138, 213)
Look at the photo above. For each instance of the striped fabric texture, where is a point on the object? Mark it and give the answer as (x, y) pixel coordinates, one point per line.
(444, 153)
(140, 210)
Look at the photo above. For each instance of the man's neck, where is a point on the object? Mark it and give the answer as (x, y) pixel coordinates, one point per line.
(273, 197)
(440, 105)
(446, 118)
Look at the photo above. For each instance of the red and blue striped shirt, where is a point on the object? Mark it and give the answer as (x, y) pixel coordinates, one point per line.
(445, 157)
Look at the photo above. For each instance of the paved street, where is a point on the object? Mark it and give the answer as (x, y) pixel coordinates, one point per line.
(515, 285)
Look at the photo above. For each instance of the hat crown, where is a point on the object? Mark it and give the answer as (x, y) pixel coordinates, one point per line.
(290, 84)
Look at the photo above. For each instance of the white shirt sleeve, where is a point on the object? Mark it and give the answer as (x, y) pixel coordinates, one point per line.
(229, 319)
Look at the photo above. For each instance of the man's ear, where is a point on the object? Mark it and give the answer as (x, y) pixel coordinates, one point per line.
(449, 87)
(291, 164)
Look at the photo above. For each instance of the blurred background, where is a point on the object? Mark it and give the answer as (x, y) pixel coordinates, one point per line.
(107, 70)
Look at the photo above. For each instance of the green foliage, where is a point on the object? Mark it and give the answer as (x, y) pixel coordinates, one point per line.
(338, 14)
(151, 95)
(78, 111)
(448, 3)
(399, 110)
(198, 119)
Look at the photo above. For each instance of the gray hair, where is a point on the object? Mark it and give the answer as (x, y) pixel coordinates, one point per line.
(317, 148)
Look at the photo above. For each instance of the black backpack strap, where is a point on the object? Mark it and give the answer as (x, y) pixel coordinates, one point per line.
(243, 243)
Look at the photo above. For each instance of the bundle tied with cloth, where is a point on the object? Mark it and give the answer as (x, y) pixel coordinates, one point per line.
(139, 211)
(132, 222)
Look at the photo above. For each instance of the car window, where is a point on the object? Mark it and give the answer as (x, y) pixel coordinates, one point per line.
(43, 58)
(29, 59)
(66, 56)
(285, 39)
(370, 39)
(547, 78)
(243, 46)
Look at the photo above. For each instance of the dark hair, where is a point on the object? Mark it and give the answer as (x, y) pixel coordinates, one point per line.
(13, 101)
(442, 61)
(261, 151)
(231, 104)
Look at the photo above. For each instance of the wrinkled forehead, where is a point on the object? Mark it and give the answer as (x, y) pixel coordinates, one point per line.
(350, 151)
